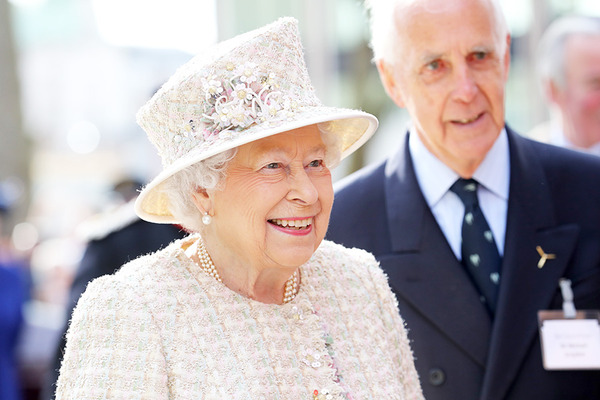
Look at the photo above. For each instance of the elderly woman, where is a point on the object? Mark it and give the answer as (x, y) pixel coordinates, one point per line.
(253, 304)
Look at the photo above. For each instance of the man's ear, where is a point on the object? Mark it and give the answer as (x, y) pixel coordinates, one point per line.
(203, 200)
(388, 80)
(507, 57)
(553, 92)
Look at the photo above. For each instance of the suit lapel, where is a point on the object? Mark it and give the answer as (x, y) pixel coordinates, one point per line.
(525, 288)
(419, 268)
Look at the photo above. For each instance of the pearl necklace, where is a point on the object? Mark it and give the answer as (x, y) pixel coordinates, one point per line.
(292, 285)
(206, 262)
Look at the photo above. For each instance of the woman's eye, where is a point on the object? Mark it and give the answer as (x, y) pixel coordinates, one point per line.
(273, 165)
(315, 163)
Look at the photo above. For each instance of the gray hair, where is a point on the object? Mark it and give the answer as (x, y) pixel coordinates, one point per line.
(383, 26)
(552, 46)
(209, 174)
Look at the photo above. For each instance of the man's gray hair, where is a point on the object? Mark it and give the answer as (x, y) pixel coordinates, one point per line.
(383, 27)
(551, 49)
(209, 174)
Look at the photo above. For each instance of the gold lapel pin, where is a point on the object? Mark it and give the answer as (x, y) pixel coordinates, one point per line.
(544, 256)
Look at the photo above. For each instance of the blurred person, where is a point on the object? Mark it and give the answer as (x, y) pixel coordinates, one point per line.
(569, 71)
(474, 224)
(52, 263)
(113, 238)
(12, 298)
(253, 304)
(13, 294)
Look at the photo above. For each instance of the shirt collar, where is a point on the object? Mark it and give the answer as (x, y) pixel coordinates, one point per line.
(435, 177)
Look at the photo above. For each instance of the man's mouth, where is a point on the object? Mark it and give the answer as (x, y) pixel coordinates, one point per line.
(467, 120)
(297, 224)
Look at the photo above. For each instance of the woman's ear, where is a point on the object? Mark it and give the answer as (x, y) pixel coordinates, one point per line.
(203, 201)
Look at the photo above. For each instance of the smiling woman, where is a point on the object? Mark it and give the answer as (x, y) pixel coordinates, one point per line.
(254, 303)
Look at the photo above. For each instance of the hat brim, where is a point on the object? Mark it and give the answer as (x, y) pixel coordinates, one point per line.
(353, 128)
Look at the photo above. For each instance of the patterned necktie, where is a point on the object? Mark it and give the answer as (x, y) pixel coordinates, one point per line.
(479, 252)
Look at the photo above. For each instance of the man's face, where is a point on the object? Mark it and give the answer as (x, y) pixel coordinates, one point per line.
(449, 71)
(579, 101)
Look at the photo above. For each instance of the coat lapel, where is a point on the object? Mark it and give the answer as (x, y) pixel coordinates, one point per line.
(423, 269)
(524, 288)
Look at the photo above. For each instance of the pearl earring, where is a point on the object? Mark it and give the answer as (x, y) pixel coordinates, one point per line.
(206, 219)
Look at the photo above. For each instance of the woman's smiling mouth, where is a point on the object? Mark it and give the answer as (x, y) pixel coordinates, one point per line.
(297, 224)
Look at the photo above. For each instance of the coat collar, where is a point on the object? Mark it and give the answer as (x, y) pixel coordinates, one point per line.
(405, 204)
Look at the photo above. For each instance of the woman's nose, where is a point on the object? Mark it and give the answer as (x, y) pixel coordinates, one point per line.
(301, 187)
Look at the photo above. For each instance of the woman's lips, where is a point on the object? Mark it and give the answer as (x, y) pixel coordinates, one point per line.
(293, 226)
(296, 224)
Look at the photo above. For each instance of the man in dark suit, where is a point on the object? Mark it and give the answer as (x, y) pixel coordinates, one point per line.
(474, 336)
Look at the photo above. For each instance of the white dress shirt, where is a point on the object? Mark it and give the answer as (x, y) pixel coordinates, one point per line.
(435, 179)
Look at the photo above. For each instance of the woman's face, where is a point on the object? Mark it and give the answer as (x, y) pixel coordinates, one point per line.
(274, 208)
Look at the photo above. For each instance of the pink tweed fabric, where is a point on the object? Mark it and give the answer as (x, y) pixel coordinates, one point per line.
(160, 328)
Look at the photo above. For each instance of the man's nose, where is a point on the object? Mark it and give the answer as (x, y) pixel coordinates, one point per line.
(465, 87)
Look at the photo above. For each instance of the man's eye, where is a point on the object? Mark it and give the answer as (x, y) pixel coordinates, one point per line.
(594, 84)
(480, 55)
(315, 163)
(434, 65)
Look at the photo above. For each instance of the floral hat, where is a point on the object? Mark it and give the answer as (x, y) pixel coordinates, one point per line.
(240, 90)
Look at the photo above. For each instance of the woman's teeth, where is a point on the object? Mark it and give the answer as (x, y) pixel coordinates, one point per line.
(288, 223)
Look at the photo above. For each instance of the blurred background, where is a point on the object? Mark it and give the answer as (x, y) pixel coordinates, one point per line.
(73, 73)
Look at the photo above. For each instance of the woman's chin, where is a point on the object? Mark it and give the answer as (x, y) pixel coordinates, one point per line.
(292, 257)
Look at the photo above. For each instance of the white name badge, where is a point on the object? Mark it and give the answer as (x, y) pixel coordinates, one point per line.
(570, 343)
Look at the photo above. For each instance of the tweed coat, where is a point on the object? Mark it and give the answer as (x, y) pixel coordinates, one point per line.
(161, 328)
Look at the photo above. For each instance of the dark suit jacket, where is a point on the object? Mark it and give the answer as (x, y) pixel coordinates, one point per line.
(461, 354)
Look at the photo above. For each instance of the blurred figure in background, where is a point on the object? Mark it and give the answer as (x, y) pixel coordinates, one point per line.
(13, 295)
(113, 238)
(569, 69)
